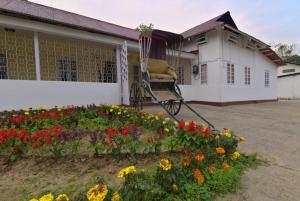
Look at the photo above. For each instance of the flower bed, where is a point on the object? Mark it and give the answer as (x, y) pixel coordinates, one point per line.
(208, 165)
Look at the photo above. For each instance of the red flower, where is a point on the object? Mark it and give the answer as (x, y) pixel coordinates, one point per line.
(37, 145)
(24, 136)
(13, 133)
(57, 130)
(207, 131)
(110, 133)
(36, 135)
(47, 136)
(125, 131)
(3, 137)
(181, 124)
(192, 127)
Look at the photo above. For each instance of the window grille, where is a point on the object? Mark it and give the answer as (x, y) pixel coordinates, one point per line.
(230, 73)
(203, 74)
(3, 67)
(180, 74)
(107, 72)
(247, 76)
(267, 78)
(288, 71)
(67, 70)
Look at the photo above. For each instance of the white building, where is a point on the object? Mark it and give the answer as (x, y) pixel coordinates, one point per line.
(289, 81)
(52, 57)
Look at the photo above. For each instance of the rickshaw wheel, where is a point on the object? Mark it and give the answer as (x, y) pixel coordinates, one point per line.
(174, 106)
(136, 96)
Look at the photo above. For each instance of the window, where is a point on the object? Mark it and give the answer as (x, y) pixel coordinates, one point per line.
(107, 72)
(230, 73)
(180, 74)
(267, 78)
(3, 67)
(247, 76)
(67, 70)
(288, 71)
(203, 74)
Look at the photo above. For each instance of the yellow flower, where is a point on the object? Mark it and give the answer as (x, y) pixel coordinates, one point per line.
(175, 123)
(167, 130)
(26, 113)
(167, 119)
(164, 122)
(186, 123)
(174, 187)
(217, 137)
(33, 199)
(111, 110)
(116, 197)
(40, 108)
(165, 164)
(62, 197)
(97, 192)
(48, 197)
(227, 132)
(235, 155)
(220, 150)
(119, 113)
(125, 171)
(157, 118)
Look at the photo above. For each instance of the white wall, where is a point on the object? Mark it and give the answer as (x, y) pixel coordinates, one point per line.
(18, 94)
(242, 57)
(288, 66)
(289, 87)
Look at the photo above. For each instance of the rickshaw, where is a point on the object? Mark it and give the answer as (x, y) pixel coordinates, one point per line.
(160, 54)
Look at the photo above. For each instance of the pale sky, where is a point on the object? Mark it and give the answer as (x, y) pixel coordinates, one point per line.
(270, 21)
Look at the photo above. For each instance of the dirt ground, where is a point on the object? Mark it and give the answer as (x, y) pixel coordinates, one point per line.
(272, 130)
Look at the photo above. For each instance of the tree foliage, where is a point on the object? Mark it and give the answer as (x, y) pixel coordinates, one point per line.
(145, 29)
(286, 52)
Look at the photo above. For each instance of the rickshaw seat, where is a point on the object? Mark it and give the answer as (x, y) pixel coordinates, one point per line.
(159, 69)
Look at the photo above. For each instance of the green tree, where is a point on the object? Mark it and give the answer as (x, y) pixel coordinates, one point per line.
(145, 29)
(284, 50)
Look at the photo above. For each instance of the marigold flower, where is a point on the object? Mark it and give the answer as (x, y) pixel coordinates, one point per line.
(212, 169)
(165, 164)
(220, 150)
(174, 187)
(97, 192)
(235, 155)
(116, 197)
(34, 199)
(225, 166)
(167, 130)
(198, 175)
(227, 132)
(199, 157)
(125, 171)
(156, 118)
(186, 162)
(167, 119)
(48, 197)
(175, 123)
(26, 113)
(160, 114)
(62, 197)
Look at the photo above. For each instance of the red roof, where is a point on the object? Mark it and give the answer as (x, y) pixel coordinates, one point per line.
(225, 18)
(56, 16)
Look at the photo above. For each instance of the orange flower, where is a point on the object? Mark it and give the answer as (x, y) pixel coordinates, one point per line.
(212, 169)
(186, 162)
(220, 150)
(199, 157)
(160, 114)
(198, 175)
(225, 166)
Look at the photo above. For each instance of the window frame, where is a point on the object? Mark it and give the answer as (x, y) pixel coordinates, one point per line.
(247, 76)
(230, 73)
(5, 74)
(203, 73)
(267, 78)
